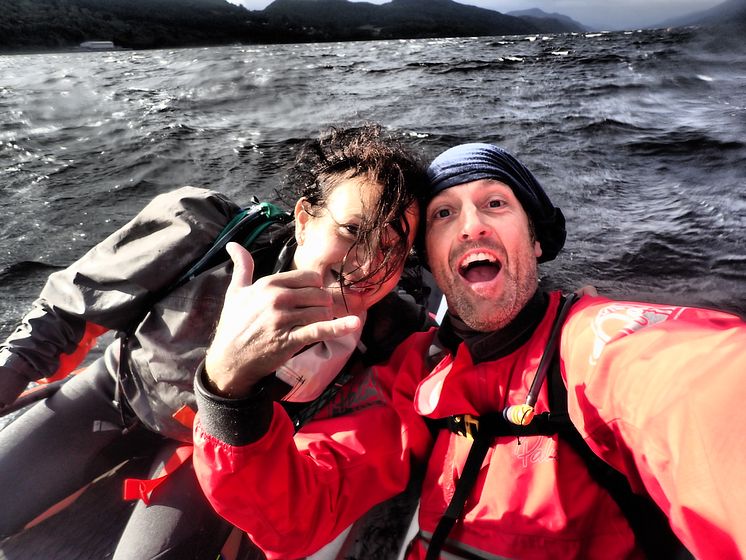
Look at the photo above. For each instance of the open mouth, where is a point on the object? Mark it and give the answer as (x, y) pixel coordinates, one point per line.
(479, 266)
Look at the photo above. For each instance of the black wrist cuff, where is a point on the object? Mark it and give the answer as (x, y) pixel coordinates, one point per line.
(233, 421)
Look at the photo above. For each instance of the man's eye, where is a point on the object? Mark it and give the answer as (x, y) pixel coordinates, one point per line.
(496, 203)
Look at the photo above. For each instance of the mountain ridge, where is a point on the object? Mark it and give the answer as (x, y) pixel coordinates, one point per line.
(729, 12)
(398, 18)
(30, 25)
(64, 24)
(539, 17)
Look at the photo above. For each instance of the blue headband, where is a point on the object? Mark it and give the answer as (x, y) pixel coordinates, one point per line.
(472, 162)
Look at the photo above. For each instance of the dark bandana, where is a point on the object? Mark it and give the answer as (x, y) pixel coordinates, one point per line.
(472, 162)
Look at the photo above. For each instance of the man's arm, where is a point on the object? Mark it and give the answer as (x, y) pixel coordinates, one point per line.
(658, 392)
(292, 496)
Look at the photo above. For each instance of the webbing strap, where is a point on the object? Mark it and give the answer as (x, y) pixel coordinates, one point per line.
(483, 435)
(135, 488)
(463, 488)
(494, 424)
(245, 227)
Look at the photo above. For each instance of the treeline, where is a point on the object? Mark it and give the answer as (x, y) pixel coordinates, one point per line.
(52, 24)
(27, 25)
(56, 24)
(395, 19)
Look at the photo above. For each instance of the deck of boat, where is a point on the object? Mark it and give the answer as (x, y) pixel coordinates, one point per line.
(86, 530)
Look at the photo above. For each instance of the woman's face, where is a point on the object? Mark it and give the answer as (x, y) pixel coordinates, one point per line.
(326, 242)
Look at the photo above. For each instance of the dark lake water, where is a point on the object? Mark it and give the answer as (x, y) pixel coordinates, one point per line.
(640, 137)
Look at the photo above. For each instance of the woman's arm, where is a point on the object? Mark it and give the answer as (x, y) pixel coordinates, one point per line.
(110, 287)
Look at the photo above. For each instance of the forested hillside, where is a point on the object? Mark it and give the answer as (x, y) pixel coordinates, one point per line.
(30, 24)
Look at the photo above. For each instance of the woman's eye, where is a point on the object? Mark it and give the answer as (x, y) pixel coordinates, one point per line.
(351, 229)
(442, 213)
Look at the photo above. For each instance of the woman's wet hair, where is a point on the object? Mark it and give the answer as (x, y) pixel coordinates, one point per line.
(368, 154)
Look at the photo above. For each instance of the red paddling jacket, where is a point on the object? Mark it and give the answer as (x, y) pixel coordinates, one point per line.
(655, 390)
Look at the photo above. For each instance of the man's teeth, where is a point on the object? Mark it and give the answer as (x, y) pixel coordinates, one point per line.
(476, 257)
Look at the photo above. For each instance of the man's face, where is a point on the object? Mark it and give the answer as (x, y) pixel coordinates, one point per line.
(326, 244)
(481, 252)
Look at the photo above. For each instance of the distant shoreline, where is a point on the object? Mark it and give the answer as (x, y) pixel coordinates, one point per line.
(65, 50)
(73, 50)
(44, 27)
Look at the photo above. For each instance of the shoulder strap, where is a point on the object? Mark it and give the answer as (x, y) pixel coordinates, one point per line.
(464, 485)
(484, 429)
(244, 228)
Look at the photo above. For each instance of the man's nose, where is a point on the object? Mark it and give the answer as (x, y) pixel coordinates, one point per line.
(473, 225)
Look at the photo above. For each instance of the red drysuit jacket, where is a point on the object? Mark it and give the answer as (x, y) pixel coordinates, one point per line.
(657, 391)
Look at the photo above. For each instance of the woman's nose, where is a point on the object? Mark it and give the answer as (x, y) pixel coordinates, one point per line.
(365, 263)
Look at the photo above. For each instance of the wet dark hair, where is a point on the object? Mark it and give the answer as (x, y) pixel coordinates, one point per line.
(363, 152)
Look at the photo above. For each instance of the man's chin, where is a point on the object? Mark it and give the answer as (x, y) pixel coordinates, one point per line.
(481, 293)
(481, 313)
(485, 323)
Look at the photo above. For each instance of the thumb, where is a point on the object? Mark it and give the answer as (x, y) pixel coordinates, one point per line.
(243, 265)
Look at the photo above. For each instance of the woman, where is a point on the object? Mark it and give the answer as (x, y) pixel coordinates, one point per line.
(327, 274)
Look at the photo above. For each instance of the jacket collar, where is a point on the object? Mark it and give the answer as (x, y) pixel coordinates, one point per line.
(488, 346)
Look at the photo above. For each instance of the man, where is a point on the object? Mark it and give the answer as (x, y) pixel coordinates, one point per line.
(646, 387)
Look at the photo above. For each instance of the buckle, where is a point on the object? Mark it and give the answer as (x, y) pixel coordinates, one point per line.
(465, 425)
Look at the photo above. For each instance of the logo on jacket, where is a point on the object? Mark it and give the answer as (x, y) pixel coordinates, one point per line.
(617, 320)
(533, 450)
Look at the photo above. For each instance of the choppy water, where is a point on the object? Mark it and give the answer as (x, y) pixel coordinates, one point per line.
(640, 138)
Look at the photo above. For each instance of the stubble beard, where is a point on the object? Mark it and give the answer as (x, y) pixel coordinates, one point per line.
(491, 314)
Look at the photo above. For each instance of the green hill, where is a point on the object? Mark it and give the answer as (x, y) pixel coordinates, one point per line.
(52, 24)
(64, 24)
(396, 19)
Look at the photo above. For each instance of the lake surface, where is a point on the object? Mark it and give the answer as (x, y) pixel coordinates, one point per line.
(640, 137)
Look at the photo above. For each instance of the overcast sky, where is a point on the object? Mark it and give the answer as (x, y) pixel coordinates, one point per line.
(614, 14)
